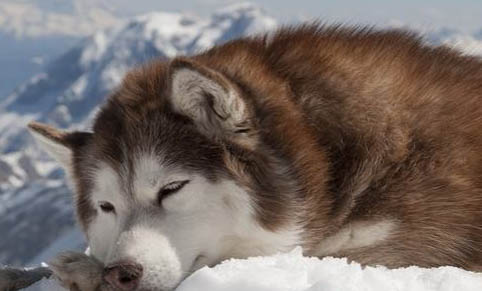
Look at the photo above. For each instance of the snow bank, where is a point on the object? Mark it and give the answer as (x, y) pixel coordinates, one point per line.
(293, 272)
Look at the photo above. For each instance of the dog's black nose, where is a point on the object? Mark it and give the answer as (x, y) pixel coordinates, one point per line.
(123, 275)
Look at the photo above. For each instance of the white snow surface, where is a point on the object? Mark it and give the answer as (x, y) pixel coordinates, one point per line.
(294, 272)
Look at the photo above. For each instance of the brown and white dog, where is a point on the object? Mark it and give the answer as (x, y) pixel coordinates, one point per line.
(349, 142)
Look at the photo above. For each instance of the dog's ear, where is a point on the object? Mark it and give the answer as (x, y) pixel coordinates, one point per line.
(57, 143)
(212, 101)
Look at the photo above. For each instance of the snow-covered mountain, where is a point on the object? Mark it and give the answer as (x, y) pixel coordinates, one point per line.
(468, 43)
(34, 200)
(34, 32)
(33, 18)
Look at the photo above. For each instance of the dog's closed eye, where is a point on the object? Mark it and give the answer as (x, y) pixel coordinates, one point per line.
(107, 207)
(170, 189)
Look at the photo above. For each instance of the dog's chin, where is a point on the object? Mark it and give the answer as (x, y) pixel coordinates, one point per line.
(200, 262)
(155, 280)
(154, 286)
(146, 286)
(152, 289)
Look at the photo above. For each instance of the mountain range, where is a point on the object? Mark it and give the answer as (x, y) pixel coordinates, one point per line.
(34, 32)
(33, 18)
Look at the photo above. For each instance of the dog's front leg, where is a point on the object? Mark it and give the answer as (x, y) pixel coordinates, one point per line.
(79, 272)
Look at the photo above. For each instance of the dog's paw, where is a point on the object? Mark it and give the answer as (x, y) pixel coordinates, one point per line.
(78, 272)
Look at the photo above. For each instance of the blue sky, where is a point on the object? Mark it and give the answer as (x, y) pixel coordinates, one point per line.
(463, 14)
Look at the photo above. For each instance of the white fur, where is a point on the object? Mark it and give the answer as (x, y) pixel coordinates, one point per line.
(356, 235)
(148, 177)
(59, 152)
(150, 247)
(187, 98)
(103, 230)
(202, 224)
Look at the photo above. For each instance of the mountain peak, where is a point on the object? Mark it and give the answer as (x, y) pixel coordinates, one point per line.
(239, 8)
(53, 18)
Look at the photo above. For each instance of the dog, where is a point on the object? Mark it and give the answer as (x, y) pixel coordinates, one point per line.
(349, 142)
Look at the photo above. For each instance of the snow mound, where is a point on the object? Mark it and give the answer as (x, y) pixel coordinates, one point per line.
(293, 272)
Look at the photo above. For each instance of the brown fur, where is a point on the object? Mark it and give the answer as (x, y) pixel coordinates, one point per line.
(344, 125)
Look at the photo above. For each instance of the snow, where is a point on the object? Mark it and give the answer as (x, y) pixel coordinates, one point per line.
(294, 272)
(28, 18)
(94, 50)
(468, 44)
(233, 19)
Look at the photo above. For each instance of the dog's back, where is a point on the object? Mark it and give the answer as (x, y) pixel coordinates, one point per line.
(398, 124)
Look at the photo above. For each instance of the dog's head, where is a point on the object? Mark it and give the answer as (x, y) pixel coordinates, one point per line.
(175, 175)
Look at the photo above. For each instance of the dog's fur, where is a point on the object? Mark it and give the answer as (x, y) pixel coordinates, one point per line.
(346, 141)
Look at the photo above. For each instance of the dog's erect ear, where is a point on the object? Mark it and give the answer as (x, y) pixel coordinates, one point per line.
(57, 143)
(212, 101)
